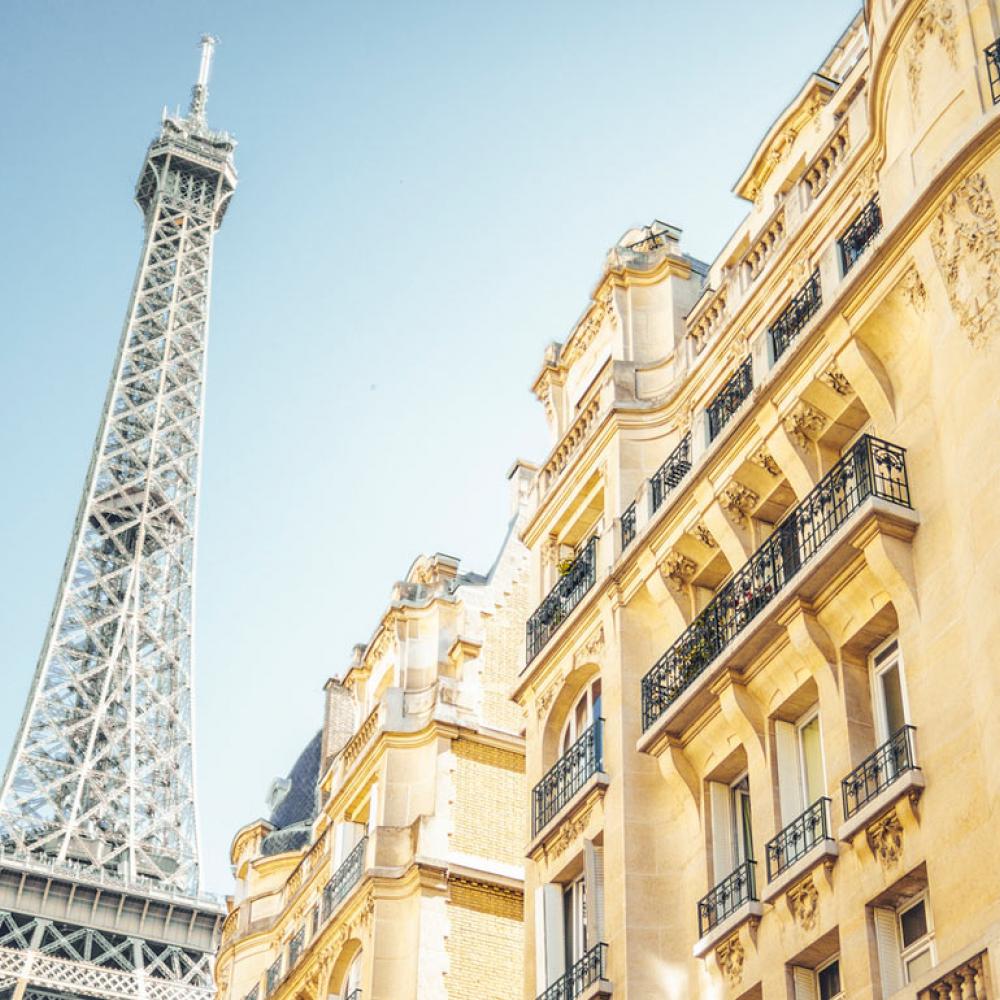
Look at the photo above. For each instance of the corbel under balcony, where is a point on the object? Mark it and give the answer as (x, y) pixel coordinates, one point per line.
(730, 905)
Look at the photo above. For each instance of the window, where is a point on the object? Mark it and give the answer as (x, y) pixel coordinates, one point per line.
(828, 980)
(575, 920)
(732, 839)
(905, 938)
(888, 691)
(583, 715)
(917, 940)
(801, 773)
(352, 986)
(739, 809)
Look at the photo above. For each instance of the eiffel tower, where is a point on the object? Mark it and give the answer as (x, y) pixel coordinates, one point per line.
(99, 881)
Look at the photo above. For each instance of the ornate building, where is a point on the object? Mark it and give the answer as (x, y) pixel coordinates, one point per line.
(391, 865)
(760, 717)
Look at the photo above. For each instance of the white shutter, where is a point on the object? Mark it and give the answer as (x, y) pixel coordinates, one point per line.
(722, 837)
(593, 864)
(550, 952)
(789, 785)
(804, 981)
(887, 938)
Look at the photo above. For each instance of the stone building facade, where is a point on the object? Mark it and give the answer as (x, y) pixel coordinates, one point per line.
(761, 703)
(392, 862)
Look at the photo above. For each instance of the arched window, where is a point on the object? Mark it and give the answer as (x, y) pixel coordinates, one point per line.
(582, 715)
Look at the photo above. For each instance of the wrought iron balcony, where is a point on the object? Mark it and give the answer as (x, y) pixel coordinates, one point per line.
(730, 398)
(628, 526)
(273, 977)
(578, 578)
(879, 770)
(345, 878)
(993, 69)
(567, 776)
(296, 947)
(872, 468)
(254, 994)
(668, 475)
(859, 234)
(727, 897)
(798, 838)
(795, 315)
(590, 969)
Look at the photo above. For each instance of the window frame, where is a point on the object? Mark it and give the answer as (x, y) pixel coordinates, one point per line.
(571, 731)
(808, 717)
(575, 928)
(876, 672)
(822, 967)
(925, 943)
(741, 845)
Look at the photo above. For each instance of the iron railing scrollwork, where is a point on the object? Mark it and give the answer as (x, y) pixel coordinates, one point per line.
(879, 770)
(628, 526)
(859, 234)
(871, 468)
(567, 776)
(273, 977)
(798, 838)
(578, 578)
(668, 475)
(583, 973)
(296, 947)
(993, 69)
(793, 318)
(730, 398)
(727, 897)
(345, 878)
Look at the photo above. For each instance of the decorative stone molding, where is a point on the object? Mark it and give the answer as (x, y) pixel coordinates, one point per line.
(763, 249)
(544, 701)
(712, 319)
(866, 186)
(804, 424)
(913, 290)
(936, 20)
(572, 828)
(965, 238)
(571, 442)
(677, 570)
(704, 536)
(803, 901)
(885, 838)
(836, 380)
(763, 458)
(738, 501)
(583, 336)
(828, 162)
(965, 982)
(730, 958)
(591, 650)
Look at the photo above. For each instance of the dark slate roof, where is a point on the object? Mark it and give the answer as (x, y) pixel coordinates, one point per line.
(292, 816)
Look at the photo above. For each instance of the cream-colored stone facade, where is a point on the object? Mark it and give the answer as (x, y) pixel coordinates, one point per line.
(765, 551)
(406, 880)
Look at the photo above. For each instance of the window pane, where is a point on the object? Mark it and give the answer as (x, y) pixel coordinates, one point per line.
(829, 981)
(892, 695)
(918, 965)
(812, 761)
(913, 924)
(596, 697)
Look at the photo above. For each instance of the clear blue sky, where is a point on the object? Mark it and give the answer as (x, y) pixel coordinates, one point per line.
(427, 192)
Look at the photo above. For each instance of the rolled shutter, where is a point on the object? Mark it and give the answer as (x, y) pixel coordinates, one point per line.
(789, 783)
(804, 981)
(889, 962)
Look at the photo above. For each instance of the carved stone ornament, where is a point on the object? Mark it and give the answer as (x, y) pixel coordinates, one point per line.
(365, 916)
(704, 536)
(677, 570)
(591, 650)
(965, 237)
(836, 380)
(866, 186)
(550, 551)
(885, 838)
(803, 901)
(936, 20)
(804, 424)
(730, 957)
(913, 290)
(763, 458)
(737, 501)
(568, 832)
(545, 699)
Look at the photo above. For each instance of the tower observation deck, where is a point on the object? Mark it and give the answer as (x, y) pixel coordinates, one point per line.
(99, 880)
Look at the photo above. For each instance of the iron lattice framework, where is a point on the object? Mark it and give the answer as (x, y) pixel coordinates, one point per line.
(100, 782)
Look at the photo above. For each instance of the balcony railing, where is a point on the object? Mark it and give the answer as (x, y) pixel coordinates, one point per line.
(860, 234)
(668, 475)
(345, 878)
(727, 897)
(254, 994)
(798, 838)
(295, 948)
(730, 398)
(355, 994)
(993, 69)
(567, 776)
(628, 526)
(590, 969)
(879, 770)
(795, 315)
(563, 598)
(273, 977)
(872, 468)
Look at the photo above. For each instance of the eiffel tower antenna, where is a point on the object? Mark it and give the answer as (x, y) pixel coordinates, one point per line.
(98, 800)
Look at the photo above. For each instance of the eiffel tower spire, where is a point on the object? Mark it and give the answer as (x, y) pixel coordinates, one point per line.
(100, 784)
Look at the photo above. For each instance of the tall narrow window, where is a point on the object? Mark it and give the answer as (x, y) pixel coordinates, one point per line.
(585, 712)
(741, 825)
(811, 761)
(889, 691)
(916, 938)
(575, 920)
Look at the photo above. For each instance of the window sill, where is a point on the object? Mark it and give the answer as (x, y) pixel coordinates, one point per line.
(751, 910)
(601, 990)
(910, 784)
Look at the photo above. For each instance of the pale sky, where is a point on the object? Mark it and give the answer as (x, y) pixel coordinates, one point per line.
(427, 192)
